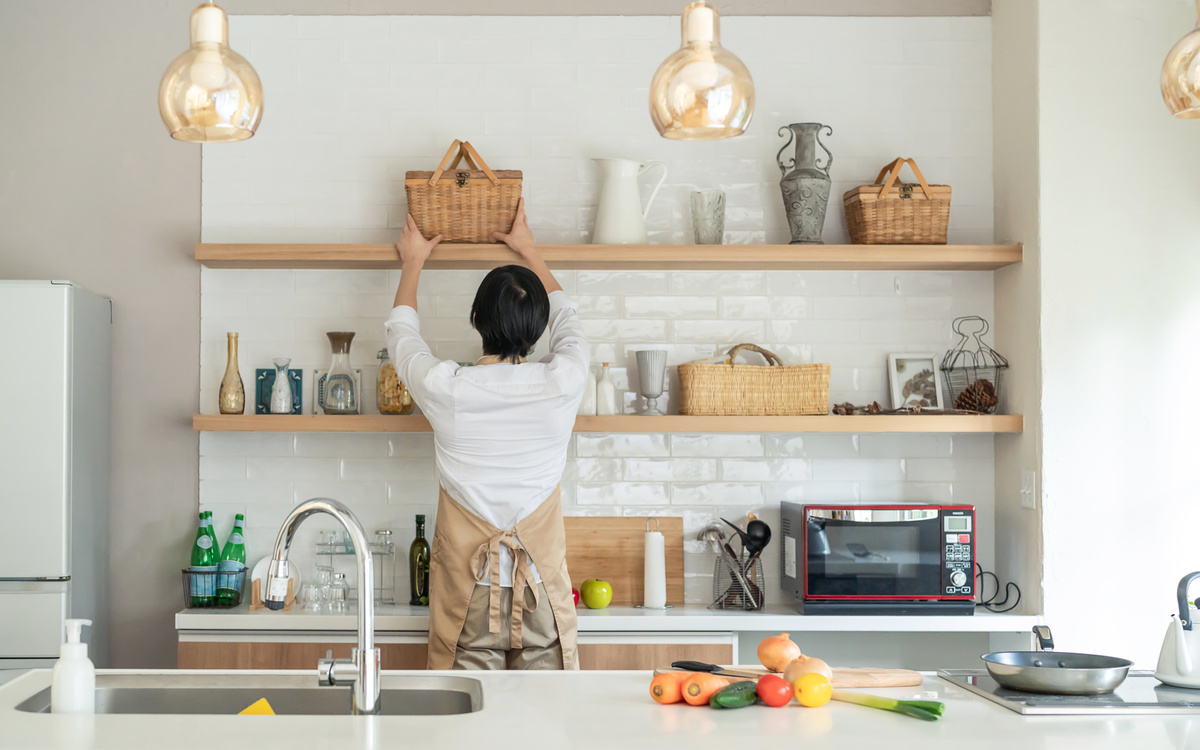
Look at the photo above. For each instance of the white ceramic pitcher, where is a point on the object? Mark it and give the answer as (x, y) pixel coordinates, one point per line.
(1179, 659)
(620, 218)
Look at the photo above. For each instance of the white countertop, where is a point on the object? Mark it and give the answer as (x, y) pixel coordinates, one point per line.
(585, 710)
(690, 617)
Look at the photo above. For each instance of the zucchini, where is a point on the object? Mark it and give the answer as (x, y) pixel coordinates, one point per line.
(736, 695)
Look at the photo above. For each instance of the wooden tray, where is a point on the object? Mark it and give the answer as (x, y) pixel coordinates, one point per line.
(843, 677)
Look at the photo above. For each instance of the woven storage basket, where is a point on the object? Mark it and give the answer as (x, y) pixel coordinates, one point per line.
(463, 205)
(889, 212)
(728, 389)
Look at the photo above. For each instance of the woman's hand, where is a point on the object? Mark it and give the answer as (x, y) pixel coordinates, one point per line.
(520, 239)
(413, 248)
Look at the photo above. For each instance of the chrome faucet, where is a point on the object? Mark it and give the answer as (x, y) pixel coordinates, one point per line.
(361, 672)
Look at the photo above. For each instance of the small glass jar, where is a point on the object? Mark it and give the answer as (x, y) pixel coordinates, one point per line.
(339, 600)
(392, 396)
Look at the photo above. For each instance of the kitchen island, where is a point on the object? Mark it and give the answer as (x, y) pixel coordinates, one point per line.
(531, 710)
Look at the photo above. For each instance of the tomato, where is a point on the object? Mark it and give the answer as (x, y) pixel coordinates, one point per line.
(774, 690)
(813, 689)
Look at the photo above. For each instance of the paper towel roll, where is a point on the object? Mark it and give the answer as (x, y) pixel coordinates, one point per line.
(655, 571)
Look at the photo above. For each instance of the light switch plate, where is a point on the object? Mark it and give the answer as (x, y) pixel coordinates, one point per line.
(1028, 493)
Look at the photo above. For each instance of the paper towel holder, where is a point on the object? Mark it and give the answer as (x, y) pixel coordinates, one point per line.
(657, 528)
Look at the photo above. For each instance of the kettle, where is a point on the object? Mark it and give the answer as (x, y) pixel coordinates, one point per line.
(620, 218)
(1179, 659)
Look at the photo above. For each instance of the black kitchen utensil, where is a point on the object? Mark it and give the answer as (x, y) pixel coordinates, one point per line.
(758, 535)
(699, 666)
(741, 532)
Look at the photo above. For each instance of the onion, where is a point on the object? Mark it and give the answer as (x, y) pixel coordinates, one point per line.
(806, 665)
(778, 651)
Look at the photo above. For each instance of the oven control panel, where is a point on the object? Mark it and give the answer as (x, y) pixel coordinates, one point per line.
(959, 554)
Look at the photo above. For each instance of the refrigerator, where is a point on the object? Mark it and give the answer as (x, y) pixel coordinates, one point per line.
(55, 416)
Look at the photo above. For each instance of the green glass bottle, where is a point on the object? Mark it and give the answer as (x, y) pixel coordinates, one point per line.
(213, 534)
(204, 560)
(233, 561)
(418, 566)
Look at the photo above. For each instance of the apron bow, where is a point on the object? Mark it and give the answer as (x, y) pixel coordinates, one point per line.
(487, 560)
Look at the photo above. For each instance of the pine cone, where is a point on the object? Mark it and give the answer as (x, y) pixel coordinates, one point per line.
(979, 396)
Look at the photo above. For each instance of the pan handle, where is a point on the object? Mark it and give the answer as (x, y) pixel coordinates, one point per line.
(1045, 641)
(1182, 595)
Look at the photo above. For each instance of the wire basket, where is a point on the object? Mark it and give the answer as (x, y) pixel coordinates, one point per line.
(728, 592)
(973, 371)
(212, 588)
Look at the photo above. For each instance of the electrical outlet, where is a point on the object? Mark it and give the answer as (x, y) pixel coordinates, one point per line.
(1028, 493)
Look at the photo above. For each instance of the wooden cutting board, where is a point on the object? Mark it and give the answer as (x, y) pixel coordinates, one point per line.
(614, 550)
(844, 678)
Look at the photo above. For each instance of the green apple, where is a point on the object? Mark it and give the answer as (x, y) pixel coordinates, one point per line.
(596, 594)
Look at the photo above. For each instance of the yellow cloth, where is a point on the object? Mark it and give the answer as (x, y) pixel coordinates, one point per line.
(259, 707)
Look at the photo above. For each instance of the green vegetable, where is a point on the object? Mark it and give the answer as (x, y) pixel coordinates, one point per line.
(923, 710)
(735, 695)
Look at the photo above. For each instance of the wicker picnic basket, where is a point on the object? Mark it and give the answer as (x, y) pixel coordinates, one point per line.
(729, 389)
(898, 213)
(463, 205)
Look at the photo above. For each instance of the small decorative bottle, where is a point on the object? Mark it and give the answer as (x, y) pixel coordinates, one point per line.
(232, 399)
(341, 389)
(281, 392)
(418, 566)
(391, 395)
(606, 394)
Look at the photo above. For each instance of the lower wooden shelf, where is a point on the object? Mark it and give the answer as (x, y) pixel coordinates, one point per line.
(994, 423)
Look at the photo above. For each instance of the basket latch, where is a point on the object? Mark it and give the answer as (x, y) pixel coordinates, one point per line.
(906, 191)
(460, 178)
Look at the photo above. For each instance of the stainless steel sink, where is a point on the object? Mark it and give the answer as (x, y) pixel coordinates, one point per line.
(190, 693)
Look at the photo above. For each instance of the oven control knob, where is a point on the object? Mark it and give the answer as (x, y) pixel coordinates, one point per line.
(958, 578)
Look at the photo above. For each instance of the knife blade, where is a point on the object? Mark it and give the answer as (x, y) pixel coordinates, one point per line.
(699, 666)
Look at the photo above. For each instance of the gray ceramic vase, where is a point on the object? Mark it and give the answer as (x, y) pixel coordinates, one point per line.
(806, 187)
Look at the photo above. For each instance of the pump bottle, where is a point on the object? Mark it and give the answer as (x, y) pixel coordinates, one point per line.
(73, 681)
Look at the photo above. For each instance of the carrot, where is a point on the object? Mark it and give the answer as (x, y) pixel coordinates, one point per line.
(668, 687)
(699, 687)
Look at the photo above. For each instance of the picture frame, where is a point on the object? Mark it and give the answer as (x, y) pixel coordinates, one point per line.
(914, 380)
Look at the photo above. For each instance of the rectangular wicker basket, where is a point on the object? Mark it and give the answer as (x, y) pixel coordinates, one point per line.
(889, 212)
(776, 390)
(463, 205)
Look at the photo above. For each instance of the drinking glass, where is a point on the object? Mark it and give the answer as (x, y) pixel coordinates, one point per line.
(708, 217)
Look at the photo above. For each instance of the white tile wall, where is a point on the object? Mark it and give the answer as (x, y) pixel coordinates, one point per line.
(353, 102)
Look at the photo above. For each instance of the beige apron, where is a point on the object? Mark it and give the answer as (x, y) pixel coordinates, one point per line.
(466, 550)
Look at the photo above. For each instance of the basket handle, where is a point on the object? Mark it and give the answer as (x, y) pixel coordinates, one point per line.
(771, 357)
(895, 168)
(470, 151)
(454, 147)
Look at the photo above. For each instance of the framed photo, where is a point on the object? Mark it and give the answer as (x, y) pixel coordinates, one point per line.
(914, 381)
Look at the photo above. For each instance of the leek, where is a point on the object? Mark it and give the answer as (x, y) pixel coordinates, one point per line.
(924, 710)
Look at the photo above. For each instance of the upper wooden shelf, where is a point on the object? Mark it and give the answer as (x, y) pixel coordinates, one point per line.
(633, 257)
(630, 423)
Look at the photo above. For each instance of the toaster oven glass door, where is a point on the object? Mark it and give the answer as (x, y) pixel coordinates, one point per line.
(874, 553)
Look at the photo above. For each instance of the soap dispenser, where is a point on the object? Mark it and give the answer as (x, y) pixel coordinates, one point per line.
(73, 681)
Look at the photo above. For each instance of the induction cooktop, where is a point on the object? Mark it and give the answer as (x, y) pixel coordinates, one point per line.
(1140, 693)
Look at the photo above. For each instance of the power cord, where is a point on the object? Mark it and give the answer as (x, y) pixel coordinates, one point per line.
(989, 602)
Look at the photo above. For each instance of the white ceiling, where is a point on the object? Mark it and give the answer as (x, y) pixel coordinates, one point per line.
(608, 7)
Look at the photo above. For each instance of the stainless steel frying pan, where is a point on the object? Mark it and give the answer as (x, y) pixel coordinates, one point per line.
(1056, 673)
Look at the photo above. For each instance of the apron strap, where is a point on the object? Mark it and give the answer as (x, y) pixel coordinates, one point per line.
(487, 559)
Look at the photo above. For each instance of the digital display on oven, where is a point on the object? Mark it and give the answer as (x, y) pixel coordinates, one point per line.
(958, 523)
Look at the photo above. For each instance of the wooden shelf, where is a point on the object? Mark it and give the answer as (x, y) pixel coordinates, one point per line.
(630, 423)
(632, 257)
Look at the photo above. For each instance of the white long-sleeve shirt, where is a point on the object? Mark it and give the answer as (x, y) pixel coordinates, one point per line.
(500, 431)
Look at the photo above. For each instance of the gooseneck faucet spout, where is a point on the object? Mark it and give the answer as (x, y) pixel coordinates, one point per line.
(362, 671)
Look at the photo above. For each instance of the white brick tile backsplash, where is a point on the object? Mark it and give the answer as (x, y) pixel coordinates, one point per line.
(575, 89)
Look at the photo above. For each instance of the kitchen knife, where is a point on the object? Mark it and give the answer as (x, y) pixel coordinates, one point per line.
(699, 666)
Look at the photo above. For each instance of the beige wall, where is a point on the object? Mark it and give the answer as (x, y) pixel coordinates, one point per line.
(608, 7)
(92, 189)
(1018, 289)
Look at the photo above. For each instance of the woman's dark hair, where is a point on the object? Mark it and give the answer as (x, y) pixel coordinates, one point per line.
(511, 311)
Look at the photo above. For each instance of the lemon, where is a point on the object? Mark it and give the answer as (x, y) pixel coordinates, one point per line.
(813, 689)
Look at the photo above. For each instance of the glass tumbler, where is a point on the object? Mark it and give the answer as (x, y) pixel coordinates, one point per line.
(708, 217)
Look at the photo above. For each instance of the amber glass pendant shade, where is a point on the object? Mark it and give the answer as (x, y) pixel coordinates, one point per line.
(1181, 75)
(702, 92)
(210, 94)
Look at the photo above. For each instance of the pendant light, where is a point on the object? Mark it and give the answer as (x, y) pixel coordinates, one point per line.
(1180, 76)
(701, 92)
(210, 94)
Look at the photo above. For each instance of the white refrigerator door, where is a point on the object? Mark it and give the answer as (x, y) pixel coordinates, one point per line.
(30, 627)
(34, 445)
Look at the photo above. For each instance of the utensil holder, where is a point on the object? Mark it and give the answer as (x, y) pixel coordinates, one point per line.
(727, 590)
